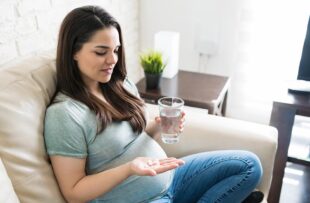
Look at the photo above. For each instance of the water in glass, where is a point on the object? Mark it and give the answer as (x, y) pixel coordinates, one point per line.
(170, 121)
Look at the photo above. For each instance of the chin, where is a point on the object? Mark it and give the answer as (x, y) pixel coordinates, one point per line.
(105, 80)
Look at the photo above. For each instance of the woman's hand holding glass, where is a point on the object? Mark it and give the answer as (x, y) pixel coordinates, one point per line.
(181, 124)
(175, 137)
(171, 118)
(145, 166)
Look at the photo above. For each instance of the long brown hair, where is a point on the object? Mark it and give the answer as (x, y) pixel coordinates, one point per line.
(76, 29)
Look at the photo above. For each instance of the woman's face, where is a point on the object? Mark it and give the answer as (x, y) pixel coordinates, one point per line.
(98, 56)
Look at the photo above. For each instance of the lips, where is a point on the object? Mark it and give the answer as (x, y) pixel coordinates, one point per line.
(107, 70)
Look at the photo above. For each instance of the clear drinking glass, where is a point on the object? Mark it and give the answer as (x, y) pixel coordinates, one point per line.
(170, 111)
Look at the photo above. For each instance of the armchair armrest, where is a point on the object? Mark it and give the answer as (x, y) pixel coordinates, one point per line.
(203, 132)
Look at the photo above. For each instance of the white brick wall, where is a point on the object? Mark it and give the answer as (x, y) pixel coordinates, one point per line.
(30, 26)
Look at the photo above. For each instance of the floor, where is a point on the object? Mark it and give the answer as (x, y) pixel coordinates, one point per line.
(296, 182)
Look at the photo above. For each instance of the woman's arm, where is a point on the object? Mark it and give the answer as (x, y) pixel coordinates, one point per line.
(77, 187)
(153, 128)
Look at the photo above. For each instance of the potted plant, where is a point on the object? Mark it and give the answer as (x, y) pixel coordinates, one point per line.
(153, 66)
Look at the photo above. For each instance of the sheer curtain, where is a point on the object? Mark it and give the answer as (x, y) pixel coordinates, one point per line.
(269, 43)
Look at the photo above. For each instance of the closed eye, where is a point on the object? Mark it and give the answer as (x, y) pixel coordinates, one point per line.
(100, 53)
(103, 52)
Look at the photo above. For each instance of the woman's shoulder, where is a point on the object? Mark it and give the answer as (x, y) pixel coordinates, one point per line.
(64, 102)
(130, 86)
(64, 106)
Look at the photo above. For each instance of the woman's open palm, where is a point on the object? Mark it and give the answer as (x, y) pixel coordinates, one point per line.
(145, 166)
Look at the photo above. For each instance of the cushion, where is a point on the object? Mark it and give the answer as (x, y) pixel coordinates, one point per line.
(26, 88)
(7, 192)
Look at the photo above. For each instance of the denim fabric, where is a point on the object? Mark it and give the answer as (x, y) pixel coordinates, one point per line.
(219, 176)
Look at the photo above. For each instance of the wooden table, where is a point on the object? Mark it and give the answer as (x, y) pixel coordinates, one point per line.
(282, 117)
(196, 89)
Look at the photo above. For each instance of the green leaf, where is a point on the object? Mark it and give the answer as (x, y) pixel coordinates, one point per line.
(152, 62)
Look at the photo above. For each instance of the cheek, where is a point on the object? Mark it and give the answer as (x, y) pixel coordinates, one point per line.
(88, 63)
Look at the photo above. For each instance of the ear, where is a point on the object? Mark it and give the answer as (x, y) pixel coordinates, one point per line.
(76, 56)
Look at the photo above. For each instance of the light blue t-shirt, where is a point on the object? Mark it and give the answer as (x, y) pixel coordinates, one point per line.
(71, 130)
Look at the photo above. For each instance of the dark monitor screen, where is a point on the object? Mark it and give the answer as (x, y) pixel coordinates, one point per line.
(304, 66)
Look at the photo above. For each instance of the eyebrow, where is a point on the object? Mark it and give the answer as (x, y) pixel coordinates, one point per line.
(105, 47)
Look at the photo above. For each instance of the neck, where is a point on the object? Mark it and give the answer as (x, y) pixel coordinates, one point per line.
(96, 91)
(93, 87)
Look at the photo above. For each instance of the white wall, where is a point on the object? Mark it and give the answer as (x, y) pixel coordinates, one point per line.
(270, 40)
(257, 44)
(212, 20)
(30, 26)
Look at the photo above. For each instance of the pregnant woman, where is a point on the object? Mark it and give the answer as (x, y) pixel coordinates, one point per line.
(101, 147)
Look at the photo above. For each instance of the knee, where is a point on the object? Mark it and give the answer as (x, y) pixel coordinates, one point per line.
(255, 169)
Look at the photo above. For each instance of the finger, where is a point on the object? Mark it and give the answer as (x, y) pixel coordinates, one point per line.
(177, 161)
(151, 172)
(157, 119)
(168, 160)
(182, 120)
(172, 161)
(148, 171)
(164, 168)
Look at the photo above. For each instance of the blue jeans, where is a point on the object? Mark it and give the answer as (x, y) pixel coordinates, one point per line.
(219, 176)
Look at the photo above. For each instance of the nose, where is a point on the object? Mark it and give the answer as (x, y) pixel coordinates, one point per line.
(112, 58)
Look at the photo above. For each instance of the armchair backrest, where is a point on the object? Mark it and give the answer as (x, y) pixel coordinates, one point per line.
(25, 91)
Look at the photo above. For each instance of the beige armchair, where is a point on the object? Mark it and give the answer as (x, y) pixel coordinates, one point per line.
(26, 88)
